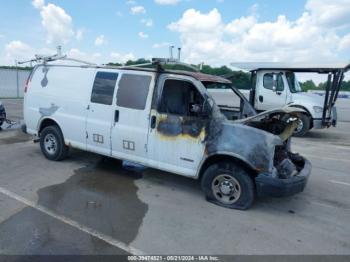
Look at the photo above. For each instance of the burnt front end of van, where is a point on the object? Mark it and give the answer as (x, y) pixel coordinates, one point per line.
(289, 175)
(263, 143)
(289, 172)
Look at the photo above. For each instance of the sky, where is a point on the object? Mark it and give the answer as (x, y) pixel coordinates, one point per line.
(216, 32)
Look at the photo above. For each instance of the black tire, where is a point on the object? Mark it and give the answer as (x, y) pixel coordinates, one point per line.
(305, 125)
(234, 174)
(58, 150)
(3, 118)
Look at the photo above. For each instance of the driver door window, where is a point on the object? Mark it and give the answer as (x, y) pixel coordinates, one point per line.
(280, 84)
(180, 98)
(268, 81)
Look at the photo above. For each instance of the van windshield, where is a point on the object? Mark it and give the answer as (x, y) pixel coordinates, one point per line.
(293, 82)
(232, 103)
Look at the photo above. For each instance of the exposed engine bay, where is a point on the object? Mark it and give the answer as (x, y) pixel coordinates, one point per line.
(286, 164)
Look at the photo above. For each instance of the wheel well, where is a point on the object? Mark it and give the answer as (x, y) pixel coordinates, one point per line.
(220, 158)
(47, 122)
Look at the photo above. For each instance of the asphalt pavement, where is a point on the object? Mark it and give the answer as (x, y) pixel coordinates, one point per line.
(89, 204)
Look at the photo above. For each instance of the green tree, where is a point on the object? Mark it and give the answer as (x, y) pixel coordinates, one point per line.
(19, 67)
(308, 85)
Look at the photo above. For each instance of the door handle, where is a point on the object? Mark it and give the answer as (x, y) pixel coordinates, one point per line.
(116, 116)
(261, 99)
(279, 93)
(153, 121)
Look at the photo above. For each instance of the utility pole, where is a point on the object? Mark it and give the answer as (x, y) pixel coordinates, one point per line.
(171, 51)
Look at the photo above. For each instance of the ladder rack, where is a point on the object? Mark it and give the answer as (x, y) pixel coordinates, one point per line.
(45, 59)
(159, 63)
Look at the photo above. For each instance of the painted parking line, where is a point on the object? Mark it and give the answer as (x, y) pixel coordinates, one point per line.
(339, 182)
(73, 223)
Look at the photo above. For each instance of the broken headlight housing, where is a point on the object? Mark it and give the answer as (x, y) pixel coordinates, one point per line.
(286, 163)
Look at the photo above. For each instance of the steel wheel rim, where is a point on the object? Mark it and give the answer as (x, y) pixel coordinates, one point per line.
(50, 144)
(226, 189)
(300, 126)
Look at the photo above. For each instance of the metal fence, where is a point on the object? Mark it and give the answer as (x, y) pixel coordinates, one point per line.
(12, 82)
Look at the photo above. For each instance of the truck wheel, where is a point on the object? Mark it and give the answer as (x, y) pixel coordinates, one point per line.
(52, 143)
(303, 125)
(228, 185)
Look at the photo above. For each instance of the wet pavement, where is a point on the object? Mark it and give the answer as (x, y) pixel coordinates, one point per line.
(30, 232)
(16, 136)
(101, 195)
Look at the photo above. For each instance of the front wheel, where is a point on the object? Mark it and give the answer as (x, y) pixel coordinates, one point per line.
(303, 125)
(52, 143)
(229, 185)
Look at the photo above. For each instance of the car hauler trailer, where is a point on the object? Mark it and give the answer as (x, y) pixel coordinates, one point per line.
(275, 85)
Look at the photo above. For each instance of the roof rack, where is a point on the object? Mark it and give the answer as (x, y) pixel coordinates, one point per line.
(44, 59)
(159, 63)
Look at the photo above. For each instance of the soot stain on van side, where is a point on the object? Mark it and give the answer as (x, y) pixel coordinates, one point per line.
(101, 195)
(173, 126)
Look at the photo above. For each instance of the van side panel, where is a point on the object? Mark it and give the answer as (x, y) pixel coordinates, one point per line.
(60, 93)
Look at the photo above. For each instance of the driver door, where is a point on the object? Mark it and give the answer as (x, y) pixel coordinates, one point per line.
(271, 91)
(177, 129)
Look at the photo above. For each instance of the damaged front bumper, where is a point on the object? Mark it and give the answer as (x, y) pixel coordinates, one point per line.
(269, 185)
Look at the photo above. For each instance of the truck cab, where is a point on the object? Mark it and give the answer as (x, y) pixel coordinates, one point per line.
(275, 85)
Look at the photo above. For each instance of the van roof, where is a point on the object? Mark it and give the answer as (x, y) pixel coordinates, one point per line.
(197, 75)
(202, 77)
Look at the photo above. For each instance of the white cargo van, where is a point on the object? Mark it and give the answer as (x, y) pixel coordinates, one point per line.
(166, 120)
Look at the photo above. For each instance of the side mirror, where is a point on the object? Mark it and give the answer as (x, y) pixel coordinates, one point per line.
(274, 83)
(206, 108)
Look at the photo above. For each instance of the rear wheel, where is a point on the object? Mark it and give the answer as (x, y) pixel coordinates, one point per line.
(52, 143)
(228, 185)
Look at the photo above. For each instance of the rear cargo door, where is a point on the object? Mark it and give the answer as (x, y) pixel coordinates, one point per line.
(101, 112)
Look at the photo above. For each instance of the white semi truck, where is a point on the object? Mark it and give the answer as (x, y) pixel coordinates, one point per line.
(274, 85)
